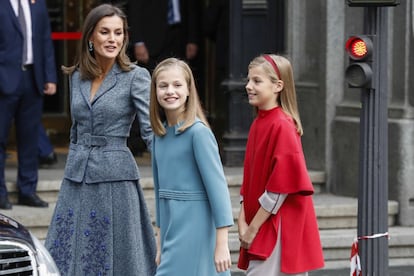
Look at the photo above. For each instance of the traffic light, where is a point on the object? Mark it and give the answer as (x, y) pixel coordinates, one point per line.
(358, 74)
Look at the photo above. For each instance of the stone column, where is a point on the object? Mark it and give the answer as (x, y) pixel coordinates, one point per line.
(334, 82)
(307, 50)
(401, 111)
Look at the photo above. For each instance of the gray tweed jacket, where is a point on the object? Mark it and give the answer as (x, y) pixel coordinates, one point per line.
(98, 151)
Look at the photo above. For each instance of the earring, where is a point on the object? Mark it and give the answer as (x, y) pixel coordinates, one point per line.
(90, 46)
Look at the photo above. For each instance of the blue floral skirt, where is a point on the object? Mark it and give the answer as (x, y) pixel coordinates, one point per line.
(102, 229)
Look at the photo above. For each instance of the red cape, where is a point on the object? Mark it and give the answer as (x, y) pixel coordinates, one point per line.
(274, 162)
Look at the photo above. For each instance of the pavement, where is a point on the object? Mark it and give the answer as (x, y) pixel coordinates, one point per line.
(392, 271)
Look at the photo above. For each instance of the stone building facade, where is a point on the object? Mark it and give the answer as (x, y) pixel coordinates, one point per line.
(314, 34)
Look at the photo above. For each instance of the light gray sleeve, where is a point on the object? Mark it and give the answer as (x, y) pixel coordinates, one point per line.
(140, 95)
(271, 202)
(73, 135)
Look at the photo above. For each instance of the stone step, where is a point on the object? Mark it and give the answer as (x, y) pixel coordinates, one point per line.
(47, 187)
(235, 178)
(333, 212)
(37, 220)
(337, 247)
(338, 212)
(50, 181)
(337, 216)
(336, 242)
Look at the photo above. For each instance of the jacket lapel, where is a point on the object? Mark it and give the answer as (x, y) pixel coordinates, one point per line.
(109, 82)
(85, 88)
(14, 17)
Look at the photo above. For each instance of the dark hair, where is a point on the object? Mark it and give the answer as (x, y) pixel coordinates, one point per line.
(85, 59)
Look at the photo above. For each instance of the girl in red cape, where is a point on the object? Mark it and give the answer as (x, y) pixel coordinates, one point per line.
(278, 229)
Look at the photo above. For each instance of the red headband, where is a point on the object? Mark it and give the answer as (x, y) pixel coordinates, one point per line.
(274, 65)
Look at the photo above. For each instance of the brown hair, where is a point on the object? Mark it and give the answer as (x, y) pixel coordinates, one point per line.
(287, 99)
(193, 108)
(85, 59)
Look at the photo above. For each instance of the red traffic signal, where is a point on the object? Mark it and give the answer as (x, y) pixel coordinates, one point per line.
(358, 74)
(359, 47)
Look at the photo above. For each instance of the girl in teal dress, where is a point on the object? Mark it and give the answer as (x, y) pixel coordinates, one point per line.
(193, 209)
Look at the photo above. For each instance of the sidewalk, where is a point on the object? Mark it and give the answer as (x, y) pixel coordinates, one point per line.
(393, 271)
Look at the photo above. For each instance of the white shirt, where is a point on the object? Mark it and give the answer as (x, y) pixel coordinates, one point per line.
(28, 18)
(176, 11)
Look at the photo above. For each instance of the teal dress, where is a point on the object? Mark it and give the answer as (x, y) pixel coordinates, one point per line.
(192, 200)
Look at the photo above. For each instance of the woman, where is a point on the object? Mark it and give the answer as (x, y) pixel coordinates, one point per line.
(101, 225)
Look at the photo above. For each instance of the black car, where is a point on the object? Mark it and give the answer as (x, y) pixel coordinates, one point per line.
(21, 253)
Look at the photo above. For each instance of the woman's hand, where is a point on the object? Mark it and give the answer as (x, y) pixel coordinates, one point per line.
(158, 240)
(222, 258)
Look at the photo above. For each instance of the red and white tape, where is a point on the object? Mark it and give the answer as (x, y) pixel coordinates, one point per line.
(356, 269)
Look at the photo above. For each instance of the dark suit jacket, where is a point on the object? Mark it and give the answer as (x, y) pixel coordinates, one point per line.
(148, 23)
(11, 43)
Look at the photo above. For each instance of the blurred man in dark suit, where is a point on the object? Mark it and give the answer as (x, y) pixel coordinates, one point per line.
(164, 28)
(27, 72)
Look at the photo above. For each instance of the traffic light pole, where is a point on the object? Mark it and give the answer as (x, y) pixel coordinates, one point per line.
(373, 176)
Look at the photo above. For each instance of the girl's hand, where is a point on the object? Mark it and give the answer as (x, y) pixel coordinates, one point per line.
(242, 227)
(222, 258)
(242, 224)
(247, 234)
(247, 237)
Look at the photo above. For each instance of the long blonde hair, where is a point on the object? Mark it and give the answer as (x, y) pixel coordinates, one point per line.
(85, 59)
(193, 107)
(287, 99)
